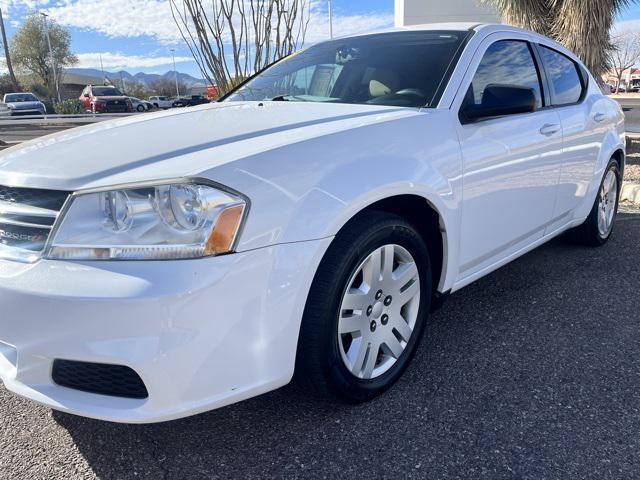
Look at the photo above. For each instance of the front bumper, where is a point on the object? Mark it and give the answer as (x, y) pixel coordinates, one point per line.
(26, 112)
(200, 333)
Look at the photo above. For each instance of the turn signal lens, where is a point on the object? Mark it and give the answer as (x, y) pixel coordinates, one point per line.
(225, 230)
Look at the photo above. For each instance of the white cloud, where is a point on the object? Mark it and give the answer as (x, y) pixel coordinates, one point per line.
(119, 18)
(345, 25)
(135, 18)
(119, 61)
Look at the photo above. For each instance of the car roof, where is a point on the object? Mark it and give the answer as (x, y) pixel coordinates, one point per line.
(478, 27)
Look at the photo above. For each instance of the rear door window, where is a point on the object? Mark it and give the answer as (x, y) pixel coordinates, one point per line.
(566, 86)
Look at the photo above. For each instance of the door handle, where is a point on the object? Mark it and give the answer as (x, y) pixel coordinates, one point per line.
(599, 117)
(550, 129)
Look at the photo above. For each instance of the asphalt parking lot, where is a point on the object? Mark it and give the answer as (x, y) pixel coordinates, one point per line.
(532, 372)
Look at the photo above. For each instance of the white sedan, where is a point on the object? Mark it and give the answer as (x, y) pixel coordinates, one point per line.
(308, 223)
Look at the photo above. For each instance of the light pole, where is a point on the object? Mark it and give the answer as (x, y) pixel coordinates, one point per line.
(53, 63)
(330, 21)
(175, 72)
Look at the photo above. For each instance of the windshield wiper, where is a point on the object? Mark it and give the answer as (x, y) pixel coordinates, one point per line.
(287, 98)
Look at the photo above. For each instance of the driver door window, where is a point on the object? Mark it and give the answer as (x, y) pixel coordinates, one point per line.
(506, 62)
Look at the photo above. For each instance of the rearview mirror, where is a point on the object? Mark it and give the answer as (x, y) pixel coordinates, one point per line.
(500, 100)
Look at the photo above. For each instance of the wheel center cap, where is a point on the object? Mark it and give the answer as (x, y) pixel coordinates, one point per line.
(377, 310)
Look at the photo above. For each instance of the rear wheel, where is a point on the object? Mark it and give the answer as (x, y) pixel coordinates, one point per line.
(140, 108)
(366, 310)
(598, 227)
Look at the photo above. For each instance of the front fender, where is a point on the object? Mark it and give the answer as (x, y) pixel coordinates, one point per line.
(310, 189)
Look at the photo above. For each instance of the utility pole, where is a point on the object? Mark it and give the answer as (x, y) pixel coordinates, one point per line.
(175, 72)
(104, 77)
(330, 21)
(53, 61)
(12, 75)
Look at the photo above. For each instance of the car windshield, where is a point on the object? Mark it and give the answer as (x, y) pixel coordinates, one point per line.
(20, 97)
(396, 69)
(106, 92)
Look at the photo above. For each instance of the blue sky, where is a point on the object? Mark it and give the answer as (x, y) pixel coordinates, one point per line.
(137, 35)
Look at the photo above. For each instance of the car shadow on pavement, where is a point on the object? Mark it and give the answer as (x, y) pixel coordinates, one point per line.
(531, 372)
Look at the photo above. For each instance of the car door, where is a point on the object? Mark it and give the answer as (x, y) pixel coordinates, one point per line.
(584, 123)
(511, 164)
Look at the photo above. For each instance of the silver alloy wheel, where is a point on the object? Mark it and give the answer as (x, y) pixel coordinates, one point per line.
(379, 311)
(607, 203)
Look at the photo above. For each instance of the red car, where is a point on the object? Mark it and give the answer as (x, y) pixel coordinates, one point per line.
(105, 99)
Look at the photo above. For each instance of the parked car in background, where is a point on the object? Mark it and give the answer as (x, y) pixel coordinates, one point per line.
(140, 105)
(212, 92)
(161, 102)
(308, 223)
(25, 103)
(190, 101)
(105, 99)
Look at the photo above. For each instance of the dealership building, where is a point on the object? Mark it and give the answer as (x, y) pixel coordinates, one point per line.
(415, 12)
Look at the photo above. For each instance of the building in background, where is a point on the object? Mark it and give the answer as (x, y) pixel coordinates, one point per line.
(72, 84)
(415, 12)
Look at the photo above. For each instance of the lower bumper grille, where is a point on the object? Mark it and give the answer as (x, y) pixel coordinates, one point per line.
(116, 106)
(100, 378)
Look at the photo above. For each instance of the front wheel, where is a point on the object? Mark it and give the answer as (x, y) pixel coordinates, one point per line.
(366, 310)
(598, 227)
(140, 108)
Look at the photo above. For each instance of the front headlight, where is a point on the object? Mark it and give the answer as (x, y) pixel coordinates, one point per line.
(160, 222)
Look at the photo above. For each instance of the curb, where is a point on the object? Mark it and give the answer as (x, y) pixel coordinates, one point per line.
(630, 192)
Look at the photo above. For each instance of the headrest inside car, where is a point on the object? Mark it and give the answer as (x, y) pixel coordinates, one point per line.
(383, 82)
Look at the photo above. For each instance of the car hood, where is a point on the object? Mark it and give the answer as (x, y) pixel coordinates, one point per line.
(24, 105)
(169, 145)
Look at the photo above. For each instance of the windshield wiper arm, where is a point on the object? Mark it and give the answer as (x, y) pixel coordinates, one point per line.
(280, 98)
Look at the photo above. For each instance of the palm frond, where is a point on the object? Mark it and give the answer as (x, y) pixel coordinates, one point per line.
(583, 26)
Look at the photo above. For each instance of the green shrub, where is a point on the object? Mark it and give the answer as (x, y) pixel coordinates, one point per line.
(69, 107)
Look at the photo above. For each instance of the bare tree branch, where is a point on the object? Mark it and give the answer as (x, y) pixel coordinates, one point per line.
(625, 53)
(231, 39)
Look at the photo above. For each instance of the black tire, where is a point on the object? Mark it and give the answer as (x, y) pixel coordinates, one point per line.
(319, 364)
(140, 108)
(588, 234)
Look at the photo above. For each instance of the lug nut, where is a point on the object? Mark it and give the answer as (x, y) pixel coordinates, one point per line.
(378, 294)
(373, 325)
(387, 301)
(369, 310)
(385, 319)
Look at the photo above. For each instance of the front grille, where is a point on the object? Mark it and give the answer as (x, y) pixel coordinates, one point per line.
(27, 216)
(49, 199)
(99, 378)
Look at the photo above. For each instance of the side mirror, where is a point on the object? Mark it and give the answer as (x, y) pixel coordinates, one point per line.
(500, 100)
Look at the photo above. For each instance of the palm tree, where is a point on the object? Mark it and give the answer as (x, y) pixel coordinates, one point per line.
(582, 26)
(12, 75)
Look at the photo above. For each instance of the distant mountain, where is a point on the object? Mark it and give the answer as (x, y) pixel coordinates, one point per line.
(146, 78)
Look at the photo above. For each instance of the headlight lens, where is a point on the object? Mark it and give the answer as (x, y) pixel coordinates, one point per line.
(176, 221)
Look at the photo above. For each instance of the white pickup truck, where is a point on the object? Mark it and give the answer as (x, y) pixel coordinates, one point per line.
(161, 102)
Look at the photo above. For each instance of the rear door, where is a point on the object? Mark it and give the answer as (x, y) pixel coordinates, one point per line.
(511, 164)
(584, 126)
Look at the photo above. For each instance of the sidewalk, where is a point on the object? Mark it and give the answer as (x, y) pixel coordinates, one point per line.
(631, 182)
